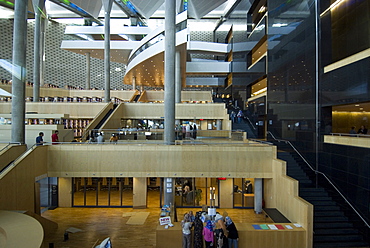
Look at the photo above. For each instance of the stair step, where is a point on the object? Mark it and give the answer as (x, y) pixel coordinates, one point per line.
(326, 208)
(318, 198)
(310, 194)
(329, 225)
(328, 213)
(337, 231)
(312, 190)
(322, 203)
(337, 238)
(320, 219)
(340, 244)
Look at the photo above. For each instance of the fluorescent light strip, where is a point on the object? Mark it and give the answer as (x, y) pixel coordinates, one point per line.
(335, 4)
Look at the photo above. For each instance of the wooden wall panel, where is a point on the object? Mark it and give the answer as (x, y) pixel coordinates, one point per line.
(282, 193)
(89, 160)
(64, 192)
(139, 192)
(17, 190)
(10, 154)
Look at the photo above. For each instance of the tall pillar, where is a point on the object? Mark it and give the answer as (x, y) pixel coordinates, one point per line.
(44, 23)
(107, 10)
(19, 71)
(88, 70)
(178, 84)
(169, 89)
(38, 5)
(258, 195)
(169, 192)
(219, 125)
(169, 72)
(133, 83)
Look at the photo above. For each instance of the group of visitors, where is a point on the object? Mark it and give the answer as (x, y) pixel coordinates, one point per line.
(216, 231)
(187, 131)
(361, 130)
(40, 139)
(237, 117)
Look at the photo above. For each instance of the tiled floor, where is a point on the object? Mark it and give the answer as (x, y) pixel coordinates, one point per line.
(99, 223)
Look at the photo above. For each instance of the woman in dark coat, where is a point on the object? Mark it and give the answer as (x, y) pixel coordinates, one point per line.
(233, 236)
(198, 230)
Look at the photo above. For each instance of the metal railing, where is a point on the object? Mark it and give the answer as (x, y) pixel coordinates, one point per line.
(350, 135)
(321, 173)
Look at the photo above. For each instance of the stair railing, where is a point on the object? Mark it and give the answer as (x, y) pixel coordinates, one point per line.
(321, 173)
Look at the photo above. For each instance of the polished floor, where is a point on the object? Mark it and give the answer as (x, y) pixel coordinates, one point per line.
(98, 223)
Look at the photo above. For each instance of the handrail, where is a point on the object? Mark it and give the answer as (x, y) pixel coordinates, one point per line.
(250, 122)
(12, 164)
(351, 135)
(8, 144)
(321, 173)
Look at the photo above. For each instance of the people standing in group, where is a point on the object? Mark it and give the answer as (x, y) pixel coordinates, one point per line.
(240, 116)
(100, 138)
(186, 225)
(113, 138)
(220, 232)
(55, 138)
(208, 234)
(198, 230)
(194, 131)
(353, 131)
(39, 139)
(232, 236)
(362, 130)
(233, 116)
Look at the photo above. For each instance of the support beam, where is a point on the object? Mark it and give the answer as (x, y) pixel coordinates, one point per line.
(107, 9)
(38, 6)
(19, 71)
(169, 72)
(88, 71)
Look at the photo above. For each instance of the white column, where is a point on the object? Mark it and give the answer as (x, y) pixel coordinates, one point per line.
(258, 195)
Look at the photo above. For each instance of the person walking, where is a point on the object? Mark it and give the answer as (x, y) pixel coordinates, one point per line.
(54, 137)
(240, 116)
(39, 139)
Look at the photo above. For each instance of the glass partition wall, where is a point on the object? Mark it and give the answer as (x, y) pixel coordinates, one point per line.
(103, 192)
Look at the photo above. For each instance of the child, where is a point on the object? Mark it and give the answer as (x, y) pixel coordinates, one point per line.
(208, 234)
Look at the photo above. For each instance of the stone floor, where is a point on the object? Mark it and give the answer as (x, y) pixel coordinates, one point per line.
(99, 223)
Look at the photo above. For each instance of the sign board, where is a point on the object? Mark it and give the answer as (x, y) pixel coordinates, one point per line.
(165, 220)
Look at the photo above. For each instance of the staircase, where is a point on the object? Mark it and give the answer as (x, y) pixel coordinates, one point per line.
(332, 228)
(246, 127)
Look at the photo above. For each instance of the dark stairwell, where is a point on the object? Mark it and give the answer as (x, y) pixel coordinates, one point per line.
(334, 223)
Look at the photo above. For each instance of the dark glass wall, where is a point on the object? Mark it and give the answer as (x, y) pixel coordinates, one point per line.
(345, 31)
(292, 89)
(291, 71)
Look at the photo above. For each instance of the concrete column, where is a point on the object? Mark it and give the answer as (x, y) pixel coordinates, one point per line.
(133, 83)
(258, 195)
(42, 51)
(178, 84)
(19, 70)
(169, 191)
(219, 125)
(38, 5)
(169, 72)
(88, 70)
(107, 10)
